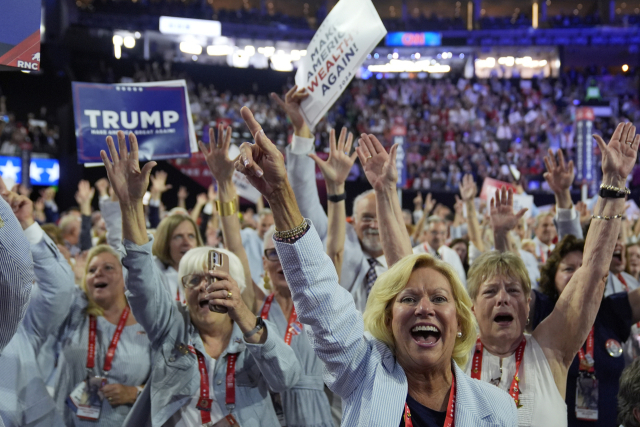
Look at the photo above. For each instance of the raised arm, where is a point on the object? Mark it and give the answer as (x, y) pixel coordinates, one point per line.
(222, 168)
(563, 332)
(51, 298)
(429, 204)
(468, 191)
(503, 219)
(380, 169)
(300, 167)
(150, 301)
(16, 272)
(84, 196)
(335, 171)
(560, 176)
(338, 329)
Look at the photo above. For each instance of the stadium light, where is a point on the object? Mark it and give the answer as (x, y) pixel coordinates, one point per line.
(129, 42)
(191, 48)
(219, 50)
(250, 50)
(625, 68)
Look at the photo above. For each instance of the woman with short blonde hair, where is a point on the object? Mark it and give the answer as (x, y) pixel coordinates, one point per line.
(378, 313)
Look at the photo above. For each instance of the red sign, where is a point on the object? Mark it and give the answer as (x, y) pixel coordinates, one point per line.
(489, 187)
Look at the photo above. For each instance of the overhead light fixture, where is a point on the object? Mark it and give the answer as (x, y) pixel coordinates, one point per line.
(267, 51)
(250, 50)
(191, 48)
(402, 66)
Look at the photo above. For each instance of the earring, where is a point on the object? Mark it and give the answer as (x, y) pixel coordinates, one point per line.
(459, 334)
(267, 282)
(527, 321)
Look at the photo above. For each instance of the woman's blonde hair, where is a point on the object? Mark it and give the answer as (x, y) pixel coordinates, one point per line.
(162, 237)
(378, 313)
(196, 260)
(93, 308)
(494, 263)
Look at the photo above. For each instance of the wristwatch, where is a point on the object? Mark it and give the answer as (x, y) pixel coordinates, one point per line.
(259, 326)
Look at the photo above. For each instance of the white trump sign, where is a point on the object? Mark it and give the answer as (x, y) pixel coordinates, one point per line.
(337, 50)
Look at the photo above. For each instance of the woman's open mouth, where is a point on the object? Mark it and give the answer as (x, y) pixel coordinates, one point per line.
(100, 285)
(425, 335)
(503, 319)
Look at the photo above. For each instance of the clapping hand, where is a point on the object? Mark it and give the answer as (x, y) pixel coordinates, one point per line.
(128, 181)
(503, 219)
(339, 163)
(379, 166)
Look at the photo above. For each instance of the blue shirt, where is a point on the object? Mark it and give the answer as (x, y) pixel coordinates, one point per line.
(423, 416)
(612, 322)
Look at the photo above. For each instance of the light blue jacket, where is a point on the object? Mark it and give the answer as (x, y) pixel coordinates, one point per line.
(175, 378)
(359, 368)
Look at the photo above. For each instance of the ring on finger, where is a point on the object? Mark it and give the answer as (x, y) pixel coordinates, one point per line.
(229, 295)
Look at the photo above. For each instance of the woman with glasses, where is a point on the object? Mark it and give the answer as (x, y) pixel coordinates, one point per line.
(208, 367)
(306, 404)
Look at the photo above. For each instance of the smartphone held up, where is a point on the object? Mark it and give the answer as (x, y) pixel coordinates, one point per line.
(220, 262)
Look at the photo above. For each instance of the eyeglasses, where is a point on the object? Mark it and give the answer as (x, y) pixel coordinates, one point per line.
(271, 254)
(193, 280)
(367, 220)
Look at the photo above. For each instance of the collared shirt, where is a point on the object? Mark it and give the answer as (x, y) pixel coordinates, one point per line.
(447, 255)
(542, 250)
(254, 246)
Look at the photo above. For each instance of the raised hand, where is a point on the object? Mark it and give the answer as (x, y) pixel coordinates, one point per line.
(468, 188)
(217, 155)
(379, 166)
(619, 156)
(429, 204)
(417, 202)
(84, 196)
(128, 181)
(102, 185)
(503, 219)
(183, 193)
(212, 194)
(201, 199)
(261, 163)
(291, 105)
(159, 183)
(21, 206)
(559, 175)
(339, 163)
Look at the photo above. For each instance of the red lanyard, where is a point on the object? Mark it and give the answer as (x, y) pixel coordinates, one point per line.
(587, 362)
(205, 401)
(91, 353)
(293, 317)
(451, 407)
(514, 388)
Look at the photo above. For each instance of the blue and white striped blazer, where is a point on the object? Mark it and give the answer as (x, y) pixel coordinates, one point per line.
(358, 367)
(16, 273)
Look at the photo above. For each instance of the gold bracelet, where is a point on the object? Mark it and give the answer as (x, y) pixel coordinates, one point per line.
(288, 234)
(227, 208)
(616, 189)
(607, 218)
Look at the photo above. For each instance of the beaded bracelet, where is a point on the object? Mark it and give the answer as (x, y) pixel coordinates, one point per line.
(607, 218)
(227, 208)
(610, 191)
(291, 236)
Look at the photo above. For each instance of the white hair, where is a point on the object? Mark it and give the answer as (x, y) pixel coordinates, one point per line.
(360, 196)
(196, 261)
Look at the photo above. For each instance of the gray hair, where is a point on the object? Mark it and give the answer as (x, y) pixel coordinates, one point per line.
(629, 395)
(433, 219)
(360, 196)
(542, 216)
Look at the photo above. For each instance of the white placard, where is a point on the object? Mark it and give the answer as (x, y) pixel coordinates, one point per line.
(521, 201)
(339, 47)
